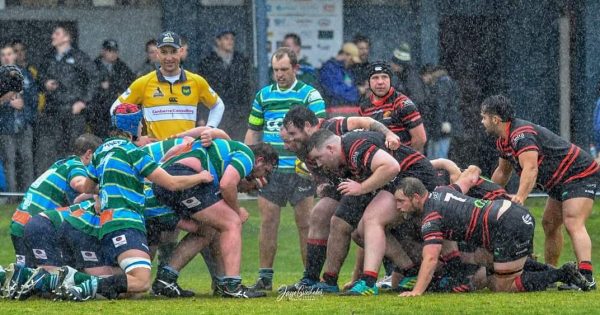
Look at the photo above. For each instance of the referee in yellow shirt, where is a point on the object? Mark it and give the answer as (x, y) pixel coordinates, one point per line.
(170, 95)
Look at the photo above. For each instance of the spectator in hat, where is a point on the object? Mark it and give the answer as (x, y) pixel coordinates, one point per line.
(361, 69)
(306, 72)
(408, 81)
(337, 80)
(229, 73)
(115, 77)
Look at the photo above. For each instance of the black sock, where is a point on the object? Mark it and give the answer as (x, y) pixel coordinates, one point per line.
(454, 268)
(537, 281)
(330, 278)
(388, 265)
(165, 251)
(315, 259)
(408, 272)
(370, 277)
(533, 265)
(586, 269)
(111, 287)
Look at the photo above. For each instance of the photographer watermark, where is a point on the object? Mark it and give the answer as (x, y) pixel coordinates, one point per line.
(305, 295)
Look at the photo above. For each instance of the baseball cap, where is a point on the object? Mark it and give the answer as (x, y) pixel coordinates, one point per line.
(224, 32)
(110, 44)
(168, 39)
(352, 50)
(401, 54)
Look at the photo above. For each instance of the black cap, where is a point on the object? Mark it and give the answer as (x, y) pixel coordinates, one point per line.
(224, 32)
(110, 44)
(168, 39)
(379, 67)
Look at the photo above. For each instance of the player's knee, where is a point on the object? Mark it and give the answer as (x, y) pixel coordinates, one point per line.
(357, 238)
(140, 269)
(573, 223)
(339, 225)
(551, 225)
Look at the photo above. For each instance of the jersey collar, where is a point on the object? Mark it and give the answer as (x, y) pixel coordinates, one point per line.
(161, 78)
(381, 101)
(288, 89)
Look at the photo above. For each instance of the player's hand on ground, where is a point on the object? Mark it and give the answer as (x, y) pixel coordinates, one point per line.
(350, 188)
(206, 177)
(392, 142)
(77, 107)
(409, 294)
(244, 214)
(144, 140)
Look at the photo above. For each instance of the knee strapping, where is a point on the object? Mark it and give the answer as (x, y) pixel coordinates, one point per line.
(130, 263)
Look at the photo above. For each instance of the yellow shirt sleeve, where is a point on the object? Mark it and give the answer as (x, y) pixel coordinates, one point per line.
(208, 97)
(135, 92)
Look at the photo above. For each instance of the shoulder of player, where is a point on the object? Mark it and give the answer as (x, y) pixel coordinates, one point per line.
(520, 128)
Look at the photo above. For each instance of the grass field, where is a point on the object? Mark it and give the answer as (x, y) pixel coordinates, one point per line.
(288, 269)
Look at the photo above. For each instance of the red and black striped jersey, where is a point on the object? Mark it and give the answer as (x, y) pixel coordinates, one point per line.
(396, 111)
(559, 161)
(485, 189)
(359, 148)
(449, 214)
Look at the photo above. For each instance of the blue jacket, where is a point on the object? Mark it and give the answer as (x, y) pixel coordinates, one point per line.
(338, 84)
(13, 121)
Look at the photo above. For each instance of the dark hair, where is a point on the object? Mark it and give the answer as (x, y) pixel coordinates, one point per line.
(286, 51)
(7, 45)
(427, 68)
(318, 139)
(359, 38)
(295, 37)
(266, 151)
(184, 40)
(498, 105)
(298, 115)
(151, 42)
(67, 28)
(411, 186)
(86, 141)
(17, 41)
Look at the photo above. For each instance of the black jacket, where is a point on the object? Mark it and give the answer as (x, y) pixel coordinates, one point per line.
(77, 78)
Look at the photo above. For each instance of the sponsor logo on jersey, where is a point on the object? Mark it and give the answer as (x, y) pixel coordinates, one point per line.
(173, 100)
(89, 256)
(314, 96)
(527, 219)
(518, 137)
(186, 90)
(119, 240)
(387, 114)
(20, 259)
(435, 195)
(158, 93)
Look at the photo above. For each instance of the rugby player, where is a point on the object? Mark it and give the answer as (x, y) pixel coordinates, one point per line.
(567, 173)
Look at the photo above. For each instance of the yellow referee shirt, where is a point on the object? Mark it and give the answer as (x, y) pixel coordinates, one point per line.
(169, 108)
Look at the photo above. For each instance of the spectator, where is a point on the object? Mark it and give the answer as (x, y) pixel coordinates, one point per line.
(185, 51)
(229, 73)
(445, 110)
(408, 80)
(16, 128)
(306, 72)
(337, 81)
(152, 61)
(23, 63)
(69, 78)
(361, 69)
(115, 77)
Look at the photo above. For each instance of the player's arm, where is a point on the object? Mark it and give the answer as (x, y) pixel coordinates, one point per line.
(502, 172)
(431, 254)
(173, 183)
(392, 141)
(133, 95)
(83, 184)
(529, 166)
(468, 178)
(216, 113)
(418, 137)
(229, 187)
(449, 166)
(384, 168)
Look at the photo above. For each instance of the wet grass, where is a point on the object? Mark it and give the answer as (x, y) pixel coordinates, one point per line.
(288, 268)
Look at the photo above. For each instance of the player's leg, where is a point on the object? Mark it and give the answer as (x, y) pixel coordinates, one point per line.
(552, 221)
(301, 215)
(270, 212)
(575, 213)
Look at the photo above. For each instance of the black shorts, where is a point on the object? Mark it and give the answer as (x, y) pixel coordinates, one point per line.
(156, 225)
(117, 242)
(580, 188)
(284, 187)
(352, 208)
(22, 255)
(41, 239)
(81, 250)
(187, 202)
(512, 235)
(330, 191)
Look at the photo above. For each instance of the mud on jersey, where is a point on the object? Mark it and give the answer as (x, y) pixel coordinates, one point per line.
(559, 161)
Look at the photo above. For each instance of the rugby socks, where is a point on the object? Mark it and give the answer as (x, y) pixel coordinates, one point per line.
(49, 283)
(453, 267)
(231, 282)
(586, 269)
(165, 251)
(370, 277)
(537, 281)
(330, 278)
(534, 265)
(81, 277)
(412, 271)
(167, 274)
(388, 265)
(316, 253)
(111, 287)
(266, 275)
